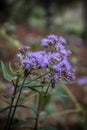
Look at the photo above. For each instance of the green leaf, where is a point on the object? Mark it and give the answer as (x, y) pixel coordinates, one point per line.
(7, 96)
(11, 69)
(31, 107)
(5, 73)
(62, 95)
(34, 89)
(4, 109)
(45, 100)
(33, 85)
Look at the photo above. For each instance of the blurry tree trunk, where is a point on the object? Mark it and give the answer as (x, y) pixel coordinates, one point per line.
(84, 35)
(48, 6)
(4, 10)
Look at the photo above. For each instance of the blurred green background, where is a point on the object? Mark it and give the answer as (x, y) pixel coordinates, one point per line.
(66, 16)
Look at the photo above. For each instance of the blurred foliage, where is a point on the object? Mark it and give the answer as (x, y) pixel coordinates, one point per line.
(44, 15)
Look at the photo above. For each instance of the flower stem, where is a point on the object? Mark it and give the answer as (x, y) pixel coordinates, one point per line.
(39, 77)
(10, 111)
(38, 113)
(78, 106)
(12, 117)
(47, 88)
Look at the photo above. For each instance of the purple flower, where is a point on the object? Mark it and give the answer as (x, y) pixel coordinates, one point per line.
(62, 40)
(35, 60)
(50, 40)
(55, 57)
(45, 42)
(82, 81)
(59, 46)
(53, 37)
(10, 87)
(20, 56)
(23, 49)
(64, 70)
(65, 52)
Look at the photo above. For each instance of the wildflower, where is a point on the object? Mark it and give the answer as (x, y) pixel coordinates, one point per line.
(35, 59)
(10, 87)
(64, 70)
(55, 59)
(62, 40)
(50, 40)
(82, 81)
(45, 42)
(23, 49)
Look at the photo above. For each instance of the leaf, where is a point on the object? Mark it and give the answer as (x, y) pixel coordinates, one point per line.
(62, 95)
(7, 96)
(4, 109)
(33, 85)
(31, 107)
(5, 73)
(34, 89)
(11, 69)
(45, 100)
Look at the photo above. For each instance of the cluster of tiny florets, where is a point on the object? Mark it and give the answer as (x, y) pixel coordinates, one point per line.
(56, 59)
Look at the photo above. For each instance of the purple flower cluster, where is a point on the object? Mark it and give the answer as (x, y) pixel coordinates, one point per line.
(64, 70)
(23, 49)
(56, 59)
(58, 43)
(34, 60)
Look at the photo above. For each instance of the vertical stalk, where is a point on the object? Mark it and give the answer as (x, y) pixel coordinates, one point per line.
(12, 117)
(47, 88)
(12, 101)
(74, 99)
(38, 113)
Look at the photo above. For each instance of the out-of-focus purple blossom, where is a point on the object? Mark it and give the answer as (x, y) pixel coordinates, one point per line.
(45, 42)
(10, 87)
(53, 38)
(59, 46)
(19, 55)
(62, 40)
(50, 40)
(82, 81)
(35, 59)
(64, 70)
(23, 49)
(54, 57)
(65, 52)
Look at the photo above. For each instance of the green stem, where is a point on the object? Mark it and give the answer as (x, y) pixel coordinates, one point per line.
(11, 41)
(62, 113)
(37, 78)
(38, 113)
(10, 111)
(12, 117)
(47, 88)
(74, 99)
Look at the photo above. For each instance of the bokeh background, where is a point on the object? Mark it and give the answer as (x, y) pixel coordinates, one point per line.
(26, 22)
